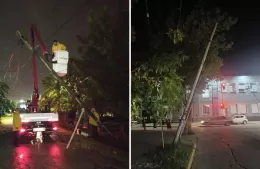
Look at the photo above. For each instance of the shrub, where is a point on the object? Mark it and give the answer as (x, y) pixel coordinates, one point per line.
(169, 157)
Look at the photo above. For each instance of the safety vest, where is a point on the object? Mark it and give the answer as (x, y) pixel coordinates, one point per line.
(17, 121)
(92, 121)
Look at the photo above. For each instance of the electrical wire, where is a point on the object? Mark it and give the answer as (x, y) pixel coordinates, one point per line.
(78, 9)
(10, 60)
(17, 73)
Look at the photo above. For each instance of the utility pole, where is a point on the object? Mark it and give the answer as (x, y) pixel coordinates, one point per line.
(55, 75)
(186, 110)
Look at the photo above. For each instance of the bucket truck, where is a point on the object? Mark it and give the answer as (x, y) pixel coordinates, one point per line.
(34, 121)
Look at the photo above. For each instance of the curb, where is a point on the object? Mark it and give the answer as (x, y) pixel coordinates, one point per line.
(192, 156)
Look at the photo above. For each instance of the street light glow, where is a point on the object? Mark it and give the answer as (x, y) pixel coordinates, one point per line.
(21, 101)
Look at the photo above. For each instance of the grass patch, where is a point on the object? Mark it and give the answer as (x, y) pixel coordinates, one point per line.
(6, 120)
(169, 157)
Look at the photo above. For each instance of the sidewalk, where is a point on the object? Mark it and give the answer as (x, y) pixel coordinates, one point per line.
(149, 127)
(118, 139)
(80, 141)
(189, 139)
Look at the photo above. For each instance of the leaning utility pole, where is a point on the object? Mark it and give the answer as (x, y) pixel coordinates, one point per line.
(186, 110)
(55, 75)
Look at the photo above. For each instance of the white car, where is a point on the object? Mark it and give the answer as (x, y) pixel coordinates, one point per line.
(239, 119)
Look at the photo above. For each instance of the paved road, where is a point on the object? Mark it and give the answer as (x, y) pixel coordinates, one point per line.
(219, 147)
(50, 155)
(228, 147)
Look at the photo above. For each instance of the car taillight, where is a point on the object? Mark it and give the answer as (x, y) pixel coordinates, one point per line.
(22, 130)
(54, 128)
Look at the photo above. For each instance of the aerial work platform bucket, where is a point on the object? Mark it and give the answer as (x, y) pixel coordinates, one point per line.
(62, 58)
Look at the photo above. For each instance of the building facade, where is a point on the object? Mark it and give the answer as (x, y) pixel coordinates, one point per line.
(230, 96)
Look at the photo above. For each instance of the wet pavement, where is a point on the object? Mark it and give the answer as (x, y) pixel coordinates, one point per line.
(52, 154)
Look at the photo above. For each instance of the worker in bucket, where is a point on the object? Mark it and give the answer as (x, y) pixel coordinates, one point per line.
(57, 46)
(93, 124)
(17, 126)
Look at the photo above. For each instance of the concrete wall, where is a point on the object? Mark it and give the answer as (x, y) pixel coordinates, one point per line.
(241, 95)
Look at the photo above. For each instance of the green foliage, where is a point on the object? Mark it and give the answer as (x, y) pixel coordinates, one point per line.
(4, 88)
(5, 103)
(197, 28)
(169, 157)
(10, 105)
(100, 76)
(160, 81)
(55, 94)
(176, 35)
(104, 53)
(156, 87)
(59, 97)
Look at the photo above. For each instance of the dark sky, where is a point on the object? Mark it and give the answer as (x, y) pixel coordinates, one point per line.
(47, 16)
(244, 58)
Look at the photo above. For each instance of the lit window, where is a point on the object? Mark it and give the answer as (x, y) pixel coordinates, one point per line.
(205, 93)
(253, 87)
(241, 87)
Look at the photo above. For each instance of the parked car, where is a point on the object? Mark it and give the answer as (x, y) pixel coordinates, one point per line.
(218, 120)
(239, 119)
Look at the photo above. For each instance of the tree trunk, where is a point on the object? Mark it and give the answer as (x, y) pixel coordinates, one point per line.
(143, 123)
(162, 134)
(188, 129)
(62, 119)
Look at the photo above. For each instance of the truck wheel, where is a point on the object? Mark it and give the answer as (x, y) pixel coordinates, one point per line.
(244, 122)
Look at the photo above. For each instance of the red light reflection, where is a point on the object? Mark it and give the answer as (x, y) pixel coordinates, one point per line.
(56, 155)
(22, 157)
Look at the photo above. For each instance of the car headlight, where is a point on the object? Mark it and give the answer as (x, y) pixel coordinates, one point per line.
(202, 122)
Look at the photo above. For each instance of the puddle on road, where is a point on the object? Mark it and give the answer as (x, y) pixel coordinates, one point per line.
(55, 156)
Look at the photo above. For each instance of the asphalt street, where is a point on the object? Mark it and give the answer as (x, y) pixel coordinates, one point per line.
(228, 147)
(52, 154)
(219, 147)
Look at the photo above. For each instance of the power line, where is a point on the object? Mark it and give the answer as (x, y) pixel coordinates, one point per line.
(79, 8)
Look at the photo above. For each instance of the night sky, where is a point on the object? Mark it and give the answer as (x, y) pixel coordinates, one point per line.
(244, 58)
(48, 16)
